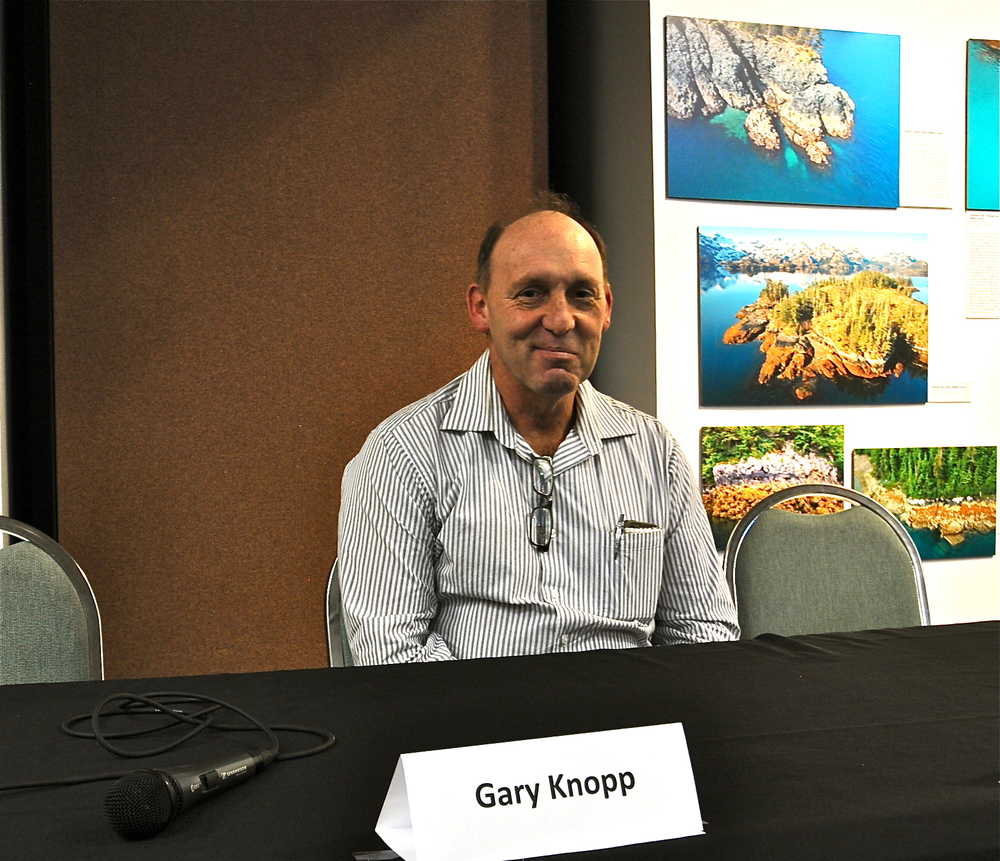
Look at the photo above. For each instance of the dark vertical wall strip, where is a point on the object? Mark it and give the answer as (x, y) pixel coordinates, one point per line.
(601, 153)
(265, 215)
(28, 264)
(571, 138)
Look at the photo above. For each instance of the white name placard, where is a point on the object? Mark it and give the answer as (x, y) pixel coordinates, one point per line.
(542, 796)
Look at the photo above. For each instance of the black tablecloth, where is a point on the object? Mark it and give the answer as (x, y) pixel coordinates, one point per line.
(871, 745)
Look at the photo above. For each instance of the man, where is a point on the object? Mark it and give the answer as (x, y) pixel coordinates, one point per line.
(517, 510)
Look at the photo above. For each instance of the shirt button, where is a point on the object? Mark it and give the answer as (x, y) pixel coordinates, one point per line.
(563, 640)
(550, 594)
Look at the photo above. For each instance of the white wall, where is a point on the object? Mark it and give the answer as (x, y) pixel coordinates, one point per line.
(961, 350)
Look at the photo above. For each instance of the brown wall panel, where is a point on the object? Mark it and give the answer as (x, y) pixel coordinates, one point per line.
(264, 218)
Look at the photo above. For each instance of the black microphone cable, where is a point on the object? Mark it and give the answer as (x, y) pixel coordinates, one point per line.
(167, 703)
(175, 708)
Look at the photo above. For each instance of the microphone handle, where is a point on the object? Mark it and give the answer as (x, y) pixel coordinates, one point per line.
(192, 784)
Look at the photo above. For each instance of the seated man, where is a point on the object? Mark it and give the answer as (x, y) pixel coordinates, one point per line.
(517, 510)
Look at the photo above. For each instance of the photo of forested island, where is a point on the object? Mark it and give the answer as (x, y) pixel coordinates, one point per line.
(781, 114)
(742, 465)
(812, 317)
(946, 497)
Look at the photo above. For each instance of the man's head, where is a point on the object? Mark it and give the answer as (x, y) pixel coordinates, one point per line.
(548, 201)
(543, 299)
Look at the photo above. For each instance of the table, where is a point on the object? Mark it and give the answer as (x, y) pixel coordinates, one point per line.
(869, 745)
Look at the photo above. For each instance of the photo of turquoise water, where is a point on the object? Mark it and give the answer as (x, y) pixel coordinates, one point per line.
(930, 544)
(983, 125)
(736, 264)
(713, 157)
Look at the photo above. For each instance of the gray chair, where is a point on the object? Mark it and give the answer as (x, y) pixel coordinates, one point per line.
(336, 634)
(50, 627)
(853, 570)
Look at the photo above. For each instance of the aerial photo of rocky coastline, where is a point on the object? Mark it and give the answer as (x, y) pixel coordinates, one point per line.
(944, 496)
(781, 114)
(742, 465)
(812, 317)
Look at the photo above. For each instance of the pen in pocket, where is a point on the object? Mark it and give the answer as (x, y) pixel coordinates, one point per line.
(628, 526)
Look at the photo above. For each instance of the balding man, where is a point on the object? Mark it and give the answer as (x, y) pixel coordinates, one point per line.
(517, 510)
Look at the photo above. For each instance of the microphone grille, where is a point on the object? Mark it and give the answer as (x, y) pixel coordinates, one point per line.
(139, 805)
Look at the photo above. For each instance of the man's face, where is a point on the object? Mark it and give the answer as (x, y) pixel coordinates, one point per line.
(545, 309)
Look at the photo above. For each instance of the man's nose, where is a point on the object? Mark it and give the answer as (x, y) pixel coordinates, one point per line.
(558, 318)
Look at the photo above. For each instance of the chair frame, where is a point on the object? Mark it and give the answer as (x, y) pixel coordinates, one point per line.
(748, 520)
(345, 658)
(79, 581)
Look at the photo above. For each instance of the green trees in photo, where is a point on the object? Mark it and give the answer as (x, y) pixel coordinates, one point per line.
(774, 291)
(869, 313)
(936, 473)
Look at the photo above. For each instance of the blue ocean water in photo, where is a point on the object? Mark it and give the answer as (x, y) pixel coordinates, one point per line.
(715, 159)
(983, 176)
(930, 544)
(729, 371)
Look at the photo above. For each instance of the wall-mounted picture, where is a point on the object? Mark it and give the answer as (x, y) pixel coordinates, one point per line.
(811, 317)
(982, 136)
(742, 465)
(946, 497)
(781, 114)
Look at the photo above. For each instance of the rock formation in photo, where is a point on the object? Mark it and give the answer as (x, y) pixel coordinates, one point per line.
(740, 485)
(774, 74)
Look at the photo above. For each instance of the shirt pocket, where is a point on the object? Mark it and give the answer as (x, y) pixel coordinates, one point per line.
(637, 573)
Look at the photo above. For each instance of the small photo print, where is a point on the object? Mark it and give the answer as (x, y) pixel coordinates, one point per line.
(945, 497)
(742, 465)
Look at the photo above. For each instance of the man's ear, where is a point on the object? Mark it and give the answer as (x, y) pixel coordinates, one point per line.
(479, 315)
(609, 296)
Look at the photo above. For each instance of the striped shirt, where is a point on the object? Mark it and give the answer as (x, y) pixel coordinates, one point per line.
(435, 561)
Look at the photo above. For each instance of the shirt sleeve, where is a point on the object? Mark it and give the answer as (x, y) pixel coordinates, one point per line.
(694, 604)
(386, 541)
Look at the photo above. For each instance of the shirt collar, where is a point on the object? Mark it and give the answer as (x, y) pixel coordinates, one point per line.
(598, 417)
(478, 407)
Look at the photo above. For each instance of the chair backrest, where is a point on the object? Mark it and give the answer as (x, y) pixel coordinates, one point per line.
(336, 633)
(50, 627)
(853, 570)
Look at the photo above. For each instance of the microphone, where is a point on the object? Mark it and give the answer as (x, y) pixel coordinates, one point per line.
(143, 803)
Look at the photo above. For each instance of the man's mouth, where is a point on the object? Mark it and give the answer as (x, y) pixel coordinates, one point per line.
(555, 352)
